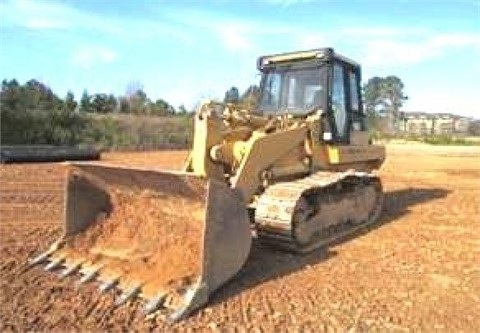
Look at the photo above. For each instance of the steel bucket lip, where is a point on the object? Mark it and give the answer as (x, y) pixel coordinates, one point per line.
(133, 168)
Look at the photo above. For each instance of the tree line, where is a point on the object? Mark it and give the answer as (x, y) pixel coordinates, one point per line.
(134, 103)
(31, 113)
(35, 95)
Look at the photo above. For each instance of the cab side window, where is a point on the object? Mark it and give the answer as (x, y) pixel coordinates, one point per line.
(357, 116)
(338, 100)
(354, 98)
(272, 96)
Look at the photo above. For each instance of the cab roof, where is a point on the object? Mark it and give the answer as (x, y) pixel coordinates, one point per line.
(322, 54)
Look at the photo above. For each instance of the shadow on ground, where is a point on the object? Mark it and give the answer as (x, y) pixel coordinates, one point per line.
(265, 263)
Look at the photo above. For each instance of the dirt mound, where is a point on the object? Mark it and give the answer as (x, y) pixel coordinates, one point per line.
(148, 238)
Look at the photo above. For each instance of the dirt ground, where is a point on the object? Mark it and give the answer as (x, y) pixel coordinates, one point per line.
(417, 269)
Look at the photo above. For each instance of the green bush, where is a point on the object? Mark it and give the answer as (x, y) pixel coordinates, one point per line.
(118, 132)
(32, 114)
(130, 132)
(58, 127)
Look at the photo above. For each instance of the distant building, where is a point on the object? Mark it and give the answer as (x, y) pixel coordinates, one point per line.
(423, 123)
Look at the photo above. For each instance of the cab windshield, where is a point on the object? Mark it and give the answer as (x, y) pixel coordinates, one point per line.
(293, 90)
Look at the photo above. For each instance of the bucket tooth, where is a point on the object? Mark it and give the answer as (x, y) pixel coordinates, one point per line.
(107, 285)
(70, 270)
(90, 276)
(176, 315)
(154, 304)
(128, 294)
(54, 264)
(39, 259)
(44, 256)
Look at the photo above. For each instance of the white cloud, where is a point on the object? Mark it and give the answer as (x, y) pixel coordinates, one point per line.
(235, 37)
(386, 53)
(43, 15)
(394, 52)
(47, 15)
(34, 15)
(380, 31)
(89, 56)
(310, 41)
(444, 100)
(44, 23)
(455, 40)
(235, 34)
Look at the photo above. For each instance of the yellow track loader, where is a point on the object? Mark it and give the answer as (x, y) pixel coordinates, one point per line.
(295, 171)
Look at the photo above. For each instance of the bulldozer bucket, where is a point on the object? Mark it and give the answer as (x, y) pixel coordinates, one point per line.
(171, 238)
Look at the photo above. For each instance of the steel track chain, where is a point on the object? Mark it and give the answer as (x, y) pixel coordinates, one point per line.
(277, 205)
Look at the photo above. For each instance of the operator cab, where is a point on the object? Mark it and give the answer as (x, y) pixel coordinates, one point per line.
(302, 83)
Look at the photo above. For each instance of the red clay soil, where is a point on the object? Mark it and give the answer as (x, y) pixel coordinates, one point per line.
(147, 240)
(416, 270)
(168, 160)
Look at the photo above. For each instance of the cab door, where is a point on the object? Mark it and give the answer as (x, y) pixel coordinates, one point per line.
(339, 108)
(345, 101)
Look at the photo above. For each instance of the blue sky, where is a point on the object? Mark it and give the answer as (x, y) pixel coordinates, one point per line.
(183, 51)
